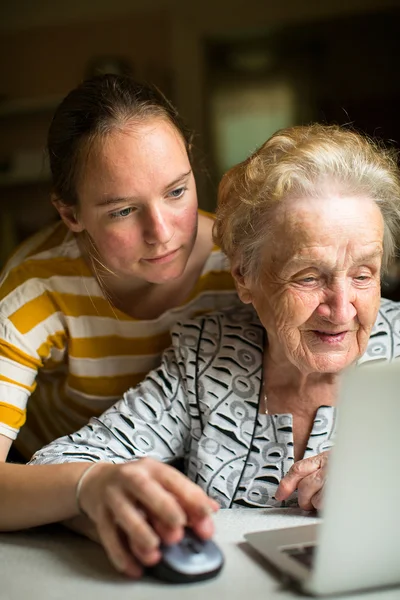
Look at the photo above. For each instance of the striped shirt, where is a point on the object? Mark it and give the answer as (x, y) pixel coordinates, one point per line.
(66, 349)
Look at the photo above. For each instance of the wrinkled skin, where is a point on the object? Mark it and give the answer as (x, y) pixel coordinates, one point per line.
(317, 295)
(308, 477)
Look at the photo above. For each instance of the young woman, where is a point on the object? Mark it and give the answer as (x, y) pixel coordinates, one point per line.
(86, 305)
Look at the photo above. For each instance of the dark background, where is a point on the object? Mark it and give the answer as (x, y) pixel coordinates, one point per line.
(237, 71)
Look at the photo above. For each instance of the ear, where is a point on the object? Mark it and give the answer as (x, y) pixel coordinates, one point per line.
(242, 284)
(69, 215)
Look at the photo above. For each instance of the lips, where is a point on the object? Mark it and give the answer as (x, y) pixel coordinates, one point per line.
(161, 257)
(329, 337)
(333, 333)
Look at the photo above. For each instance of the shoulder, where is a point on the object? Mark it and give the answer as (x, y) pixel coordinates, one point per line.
(214, 260)
(389, 308)
(384, 342)
(51, 252)
(47, 239)
(388, 318)
(220, 351)
(235, 321)
(206, 217)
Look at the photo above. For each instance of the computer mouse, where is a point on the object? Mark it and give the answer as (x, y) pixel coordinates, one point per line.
(190, 560)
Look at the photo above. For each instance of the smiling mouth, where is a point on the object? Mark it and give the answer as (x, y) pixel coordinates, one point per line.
(328, 337)
(162, 257)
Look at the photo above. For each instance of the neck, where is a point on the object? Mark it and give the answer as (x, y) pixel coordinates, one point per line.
(292, 391)
(293, 377)
(124, 287)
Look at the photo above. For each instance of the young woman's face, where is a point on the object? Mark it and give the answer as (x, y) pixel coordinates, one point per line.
(138, 201)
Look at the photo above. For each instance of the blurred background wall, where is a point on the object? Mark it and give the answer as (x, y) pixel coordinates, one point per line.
(236, 70)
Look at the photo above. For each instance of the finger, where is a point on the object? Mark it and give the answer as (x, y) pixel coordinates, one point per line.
(116, 550)
(141, 538)
(143, 487)
(146, 557)
(190, 496)
(317, 499)
(204, 528)
(143, 556)
(296, 473)
(167, 534)
(309, 487)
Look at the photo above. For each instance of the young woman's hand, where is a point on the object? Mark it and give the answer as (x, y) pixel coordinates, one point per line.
(138, 505)
(308, 477)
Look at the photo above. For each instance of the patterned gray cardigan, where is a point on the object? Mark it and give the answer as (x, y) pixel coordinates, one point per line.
(202, 405)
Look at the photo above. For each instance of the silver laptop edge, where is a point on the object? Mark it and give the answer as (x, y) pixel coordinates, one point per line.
(359, 538)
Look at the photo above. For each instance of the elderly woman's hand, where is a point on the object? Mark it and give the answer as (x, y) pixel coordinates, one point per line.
(308, 477)
(138, 505)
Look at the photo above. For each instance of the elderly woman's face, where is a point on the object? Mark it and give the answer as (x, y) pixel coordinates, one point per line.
(319, 292)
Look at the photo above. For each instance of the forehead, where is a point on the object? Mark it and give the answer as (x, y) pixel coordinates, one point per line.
(151, 152)
(317, 227)
(146, 141)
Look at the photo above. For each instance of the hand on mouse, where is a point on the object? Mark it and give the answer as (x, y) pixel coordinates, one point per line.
(138, 505)
(308, 477)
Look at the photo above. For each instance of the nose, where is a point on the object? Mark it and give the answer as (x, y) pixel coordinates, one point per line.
(338, 305)
(157, 227)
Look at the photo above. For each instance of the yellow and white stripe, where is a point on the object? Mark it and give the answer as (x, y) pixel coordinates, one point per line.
(65, 353)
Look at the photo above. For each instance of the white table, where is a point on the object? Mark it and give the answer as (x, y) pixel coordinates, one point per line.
(55, 564)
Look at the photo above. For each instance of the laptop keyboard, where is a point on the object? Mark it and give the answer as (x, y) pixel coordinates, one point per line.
(304, 554)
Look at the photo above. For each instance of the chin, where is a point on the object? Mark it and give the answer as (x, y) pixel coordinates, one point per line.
(161, 280)
(154, 274)
(164, 276)
(335, 364)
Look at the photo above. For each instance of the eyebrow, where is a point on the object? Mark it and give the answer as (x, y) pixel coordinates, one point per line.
(368, 257)
(362, 259)
(123, 199)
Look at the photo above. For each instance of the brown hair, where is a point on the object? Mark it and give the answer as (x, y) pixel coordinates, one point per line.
(297, 162)
(91, 111)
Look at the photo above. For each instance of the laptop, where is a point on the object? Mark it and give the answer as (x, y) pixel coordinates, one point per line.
(356, 546)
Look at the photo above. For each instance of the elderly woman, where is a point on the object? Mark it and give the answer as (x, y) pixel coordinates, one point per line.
(247, 396)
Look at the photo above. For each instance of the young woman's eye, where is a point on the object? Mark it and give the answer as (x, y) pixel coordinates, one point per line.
(178, 193)
(120, 214)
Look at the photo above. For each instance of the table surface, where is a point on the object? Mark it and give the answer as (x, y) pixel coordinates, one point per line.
(55, 564)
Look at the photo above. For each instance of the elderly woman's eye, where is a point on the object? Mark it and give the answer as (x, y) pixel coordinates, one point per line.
(309, 279)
